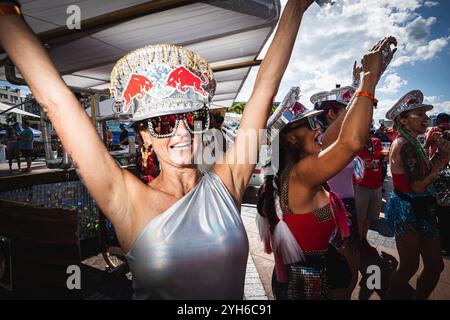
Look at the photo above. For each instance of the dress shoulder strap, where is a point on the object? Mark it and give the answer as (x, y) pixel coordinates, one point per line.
(284, 189)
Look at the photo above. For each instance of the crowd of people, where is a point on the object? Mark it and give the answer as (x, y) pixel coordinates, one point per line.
(181, 229)
(297, 225)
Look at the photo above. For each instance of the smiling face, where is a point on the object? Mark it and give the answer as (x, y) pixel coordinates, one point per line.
(415, 121)
(178, 150)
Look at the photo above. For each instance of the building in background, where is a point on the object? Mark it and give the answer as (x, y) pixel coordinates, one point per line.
(31, 105)
(10, 96)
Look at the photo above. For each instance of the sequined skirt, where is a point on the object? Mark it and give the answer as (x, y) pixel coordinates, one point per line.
(306, 281)
(400, 218)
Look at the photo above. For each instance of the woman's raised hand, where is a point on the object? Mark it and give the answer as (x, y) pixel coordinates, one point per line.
(375, 62)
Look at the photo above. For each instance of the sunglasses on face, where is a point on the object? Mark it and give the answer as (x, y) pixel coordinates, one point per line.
(312, 123)
(165, 126)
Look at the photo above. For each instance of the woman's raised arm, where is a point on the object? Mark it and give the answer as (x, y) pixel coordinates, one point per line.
(105, 180)
(332, 132)
(354, 131)
(239, 162)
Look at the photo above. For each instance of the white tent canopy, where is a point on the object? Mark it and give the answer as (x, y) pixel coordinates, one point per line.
(4, 107)
(229, 34)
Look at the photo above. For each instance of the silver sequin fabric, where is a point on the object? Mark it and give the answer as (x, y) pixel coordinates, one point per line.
(196, 249)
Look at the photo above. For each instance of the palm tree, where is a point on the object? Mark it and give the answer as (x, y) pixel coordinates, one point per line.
(239, 108)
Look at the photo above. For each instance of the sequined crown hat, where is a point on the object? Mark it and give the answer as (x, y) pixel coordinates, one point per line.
(342, 95)
(410, 101)
(161, 79)
(290, 110)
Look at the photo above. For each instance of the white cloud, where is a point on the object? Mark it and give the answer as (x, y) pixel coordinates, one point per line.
(419, 28)
(431, 99)
(424, 52)
(332, 38)
(431, 4)
(439, 106)
(392, 83)
(383, 106)
(402, 5)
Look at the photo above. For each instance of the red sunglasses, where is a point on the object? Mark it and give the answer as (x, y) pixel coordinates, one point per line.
(165, 126)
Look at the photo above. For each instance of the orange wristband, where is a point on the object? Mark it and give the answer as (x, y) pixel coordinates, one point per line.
(367, 95)
(9, 9)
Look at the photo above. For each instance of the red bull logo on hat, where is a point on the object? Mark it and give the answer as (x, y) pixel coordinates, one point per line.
(137, 87)
(346, 95)
(182, 79)
(298, 108)
(412, 101)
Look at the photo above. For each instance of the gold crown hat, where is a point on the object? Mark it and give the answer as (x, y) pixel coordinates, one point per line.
(161, 79)
(410, 101)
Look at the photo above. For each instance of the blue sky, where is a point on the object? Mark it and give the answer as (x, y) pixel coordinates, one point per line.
(433, 76)
(23, 89)
(331, 38)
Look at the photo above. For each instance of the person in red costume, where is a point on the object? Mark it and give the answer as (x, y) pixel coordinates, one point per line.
(442, 126)
(368, 190)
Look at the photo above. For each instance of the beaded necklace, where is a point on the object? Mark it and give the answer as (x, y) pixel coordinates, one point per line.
(423, 154)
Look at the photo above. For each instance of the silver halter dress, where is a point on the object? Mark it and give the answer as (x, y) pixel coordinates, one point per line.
(196, 249)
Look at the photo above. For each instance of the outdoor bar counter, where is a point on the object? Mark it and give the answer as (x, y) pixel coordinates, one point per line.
(48, 222)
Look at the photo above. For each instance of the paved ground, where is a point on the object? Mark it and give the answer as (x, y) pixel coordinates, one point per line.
(37, 166)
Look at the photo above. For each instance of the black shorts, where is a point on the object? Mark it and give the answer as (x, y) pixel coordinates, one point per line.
(26, 152)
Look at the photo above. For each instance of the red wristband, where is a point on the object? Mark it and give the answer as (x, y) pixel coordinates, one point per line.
(367, 95)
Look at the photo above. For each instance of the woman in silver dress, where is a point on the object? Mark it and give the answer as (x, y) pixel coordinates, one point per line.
(182, 232)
